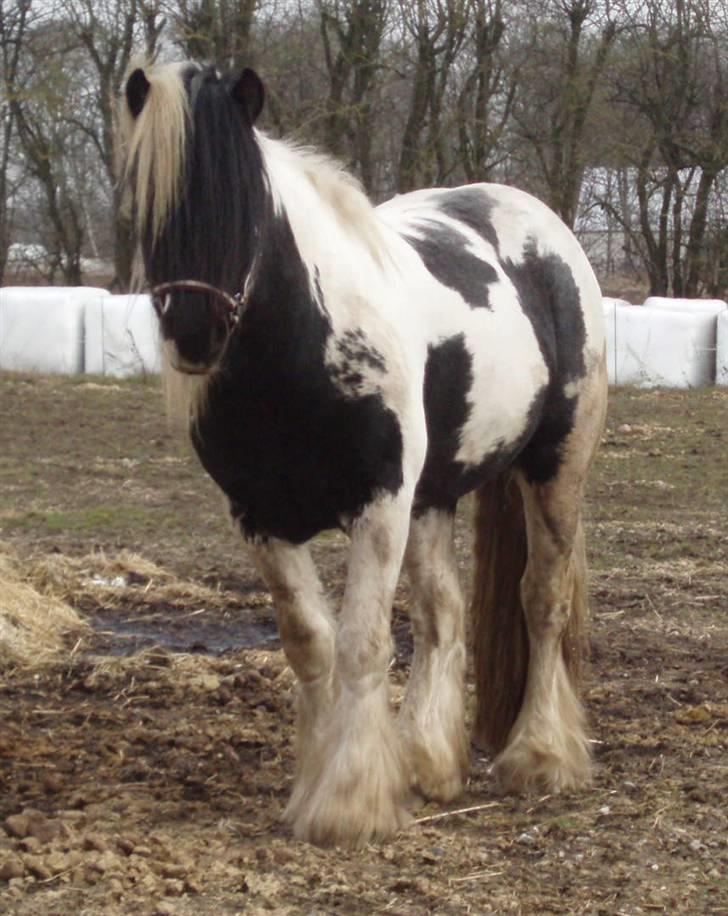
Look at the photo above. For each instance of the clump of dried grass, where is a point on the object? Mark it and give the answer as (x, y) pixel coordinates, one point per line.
(100, 582)
(32, 624)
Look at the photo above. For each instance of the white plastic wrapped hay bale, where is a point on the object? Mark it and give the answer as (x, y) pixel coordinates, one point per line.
(709, 306)
(41, 328)
(611, 302)
(655, 346)
(122, 336)
(721, 349)
(610, 306)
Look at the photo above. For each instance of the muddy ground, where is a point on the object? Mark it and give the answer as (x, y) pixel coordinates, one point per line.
(145, 770)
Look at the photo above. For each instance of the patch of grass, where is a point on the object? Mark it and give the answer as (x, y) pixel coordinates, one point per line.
(567, 823)
(103, 519)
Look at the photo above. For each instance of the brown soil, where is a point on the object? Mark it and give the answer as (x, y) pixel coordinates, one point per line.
(145, 771)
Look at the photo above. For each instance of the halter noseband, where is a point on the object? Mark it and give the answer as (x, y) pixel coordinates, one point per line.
(230, 308)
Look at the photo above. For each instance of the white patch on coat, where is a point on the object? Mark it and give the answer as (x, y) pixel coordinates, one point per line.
(359, 746)
(307, 630)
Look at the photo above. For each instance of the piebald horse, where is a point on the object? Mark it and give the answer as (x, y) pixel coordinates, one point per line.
(362, 368)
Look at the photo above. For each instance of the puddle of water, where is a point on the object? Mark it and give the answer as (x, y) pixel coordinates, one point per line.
(125, 636)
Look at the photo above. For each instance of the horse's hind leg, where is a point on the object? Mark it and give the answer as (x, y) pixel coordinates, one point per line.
(547, 747)
(432, 714)
(307, 632)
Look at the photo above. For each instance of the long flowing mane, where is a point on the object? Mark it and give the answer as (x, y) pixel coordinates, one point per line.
(151, 147)
(338, 190)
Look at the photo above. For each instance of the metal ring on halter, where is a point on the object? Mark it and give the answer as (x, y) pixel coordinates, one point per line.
(233, 304)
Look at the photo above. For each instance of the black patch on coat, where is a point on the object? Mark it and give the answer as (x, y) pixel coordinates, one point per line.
(445, 254)
(471, 207)
(355, 356)
(354, 346)
(293, 453)
(448, 380)
(550, 298)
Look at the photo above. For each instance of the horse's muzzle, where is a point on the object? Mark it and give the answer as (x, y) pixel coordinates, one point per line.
(194, 323)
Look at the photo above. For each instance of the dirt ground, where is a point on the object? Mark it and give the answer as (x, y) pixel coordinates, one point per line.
(144, 771)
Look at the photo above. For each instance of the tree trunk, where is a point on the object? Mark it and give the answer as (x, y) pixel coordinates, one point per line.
(695, 260)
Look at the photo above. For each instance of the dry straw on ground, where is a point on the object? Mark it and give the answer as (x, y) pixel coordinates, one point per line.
(32, 624)
(101, 582)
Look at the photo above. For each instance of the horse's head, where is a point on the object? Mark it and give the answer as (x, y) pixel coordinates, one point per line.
(194, 172)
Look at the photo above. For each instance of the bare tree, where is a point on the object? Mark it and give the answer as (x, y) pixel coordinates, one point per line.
(351, 35)
(435, 32)
(14, 21)
(111, 32)
(567, 44)
(486, 94)
(219, 31)
(672, 76)
(39, 108)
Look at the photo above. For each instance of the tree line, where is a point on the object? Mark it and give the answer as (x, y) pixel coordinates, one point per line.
(613, 112)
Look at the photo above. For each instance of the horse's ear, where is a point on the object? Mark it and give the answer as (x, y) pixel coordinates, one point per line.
(248, 91)
(137, 88)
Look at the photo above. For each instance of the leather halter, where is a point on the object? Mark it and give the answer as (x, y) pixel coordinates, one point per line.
(229, 308)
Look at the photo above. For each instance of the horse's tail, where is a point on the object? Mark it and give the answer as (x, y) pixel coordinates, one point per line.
(500, 637)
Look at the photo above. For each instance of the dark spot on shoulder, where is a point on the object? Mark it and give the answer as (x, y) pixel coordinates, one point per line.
(354, 346)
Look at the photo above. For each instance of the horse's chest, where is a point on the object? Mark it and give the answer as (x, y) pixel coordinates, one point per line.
(293, 456)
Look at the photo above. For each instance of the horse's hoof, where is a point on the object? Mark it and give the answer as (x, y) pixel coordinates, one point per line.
(350, 829)
(531, 766)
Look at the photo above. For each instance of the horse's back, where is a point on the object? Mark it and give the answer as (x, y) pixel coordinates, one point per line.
(475, 236)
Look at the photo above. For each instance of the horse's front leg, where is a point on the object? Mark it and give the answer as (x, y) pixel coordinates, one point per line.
(307, 632)
(355, 790)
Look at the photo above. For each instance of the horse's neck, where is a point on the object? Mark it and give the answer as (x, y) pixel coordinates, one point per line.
(285, 310)
(335, 231)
